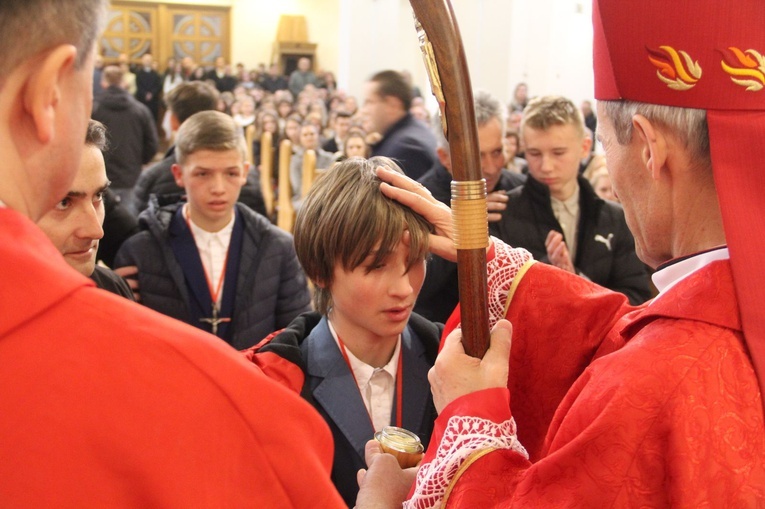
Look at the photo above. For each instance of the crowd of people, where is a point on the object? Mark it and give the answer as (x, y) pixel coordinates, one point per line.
(579, 228)
(148, 384)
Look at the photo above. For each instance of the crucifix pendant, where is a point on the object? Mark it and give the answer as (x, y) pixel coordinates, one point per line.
(215, 320)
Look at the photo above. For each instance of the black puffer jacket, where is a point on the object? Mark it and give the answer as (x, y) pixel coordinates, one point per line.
(271, 288)
(605, 252)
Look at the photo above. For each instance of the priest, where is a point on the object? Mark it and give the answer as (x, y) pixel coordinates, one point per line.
(105, 403)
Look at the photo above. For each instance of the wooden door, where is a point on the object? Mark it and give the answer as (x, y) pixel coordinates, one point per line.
(167, 30)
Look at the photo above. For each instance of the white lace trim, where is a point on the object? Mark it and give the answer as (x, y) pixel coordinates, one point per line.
(463, 437)
(501, 270)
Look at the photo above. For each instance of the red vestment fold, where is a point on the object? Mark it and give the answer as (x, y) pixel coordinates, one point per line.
(108, 404)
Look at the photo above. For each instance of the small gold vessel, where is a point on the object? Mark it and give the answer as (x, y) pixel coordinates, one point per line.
(401, 443)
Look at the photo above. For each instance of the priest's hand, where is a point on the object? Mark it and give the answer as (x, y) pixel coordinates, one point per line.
(384, 485)
(557, 251)
(414, 195)
(456, 374)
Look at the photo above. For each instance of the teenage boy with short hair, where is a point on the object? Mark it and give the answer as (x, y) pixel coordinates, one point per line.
(209, 261)
(557, 216)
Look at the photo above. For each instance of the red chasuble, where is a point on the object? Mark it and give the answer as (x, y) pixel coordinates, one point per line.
(108, 404)
(657, 406)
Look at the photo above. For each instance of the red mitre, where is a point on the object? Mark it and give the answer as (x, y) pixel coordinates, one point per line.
(703, 54)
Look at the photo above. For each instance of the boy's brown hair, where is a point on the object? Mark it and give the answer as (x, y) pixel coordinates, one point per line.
(208, 130)
(345, 218)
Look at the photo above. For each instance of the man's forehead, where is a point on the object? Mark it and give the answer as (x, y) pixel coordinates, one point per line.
(490, 136)
(371, 88)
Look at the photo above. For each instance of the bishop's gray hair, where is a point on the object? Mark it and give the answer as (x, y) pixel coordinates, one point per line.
(689, 125)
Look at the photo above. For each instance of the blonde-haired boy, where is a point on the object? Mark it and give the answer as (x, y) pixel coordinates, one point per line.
(557, 216)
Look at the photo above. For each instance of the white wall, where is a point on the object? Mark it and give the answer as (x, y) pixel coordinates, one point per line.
(378, 35)
(546, 43)
(550, 48)
(255, 22)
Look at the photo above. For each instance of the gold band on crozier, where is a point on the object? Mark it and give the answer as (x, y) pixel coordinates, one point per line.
(469, 214)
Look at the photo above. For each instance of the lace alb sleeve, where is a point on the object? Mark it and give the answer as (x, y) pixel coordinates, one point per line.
(464, 439)
(502, 269)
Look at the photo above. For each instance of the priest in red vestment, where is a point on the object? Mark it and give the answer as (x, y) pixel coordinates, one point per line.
(105, 403)
(602, 404)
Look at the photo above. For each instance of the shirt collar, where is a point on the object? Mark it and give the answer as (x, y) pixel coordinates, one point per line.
(223, 235)
(363, 371)
(571, 204)
(672, 273)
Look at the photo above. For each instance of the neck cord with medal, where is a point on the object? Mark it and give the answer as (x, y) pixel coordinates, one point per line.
(214, 320)
(399, 382)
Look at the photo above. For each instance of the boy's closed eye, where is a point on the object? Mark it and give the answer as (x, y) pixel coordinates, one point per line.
(375, 266)
(374, 262)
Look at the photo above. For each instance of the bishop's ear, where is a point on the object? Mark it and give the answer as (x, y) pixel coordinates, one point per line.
(43, 92)
(652, 145)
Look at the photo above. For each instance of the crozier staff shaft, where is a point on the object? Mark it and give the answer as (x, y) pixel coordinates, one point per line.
(447, 67)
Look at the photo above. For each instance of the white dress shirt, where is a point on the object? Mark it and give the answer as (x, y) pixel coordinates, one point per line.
(376, 385)
(213, 248)
(567, 214)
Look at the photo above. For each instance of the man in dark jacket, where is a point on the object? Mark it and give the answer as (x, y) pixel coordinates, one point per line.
(131, 130)
(221, 75)
(557, 216)
(440, 292)
(274, 80)
(185, 100)
(148, 84)
(404, 139)
(211, 262)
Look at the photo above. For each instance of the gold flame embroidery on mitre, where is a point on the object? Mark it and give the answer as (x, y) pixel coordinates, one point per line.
(746, 68)
(675, 68)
